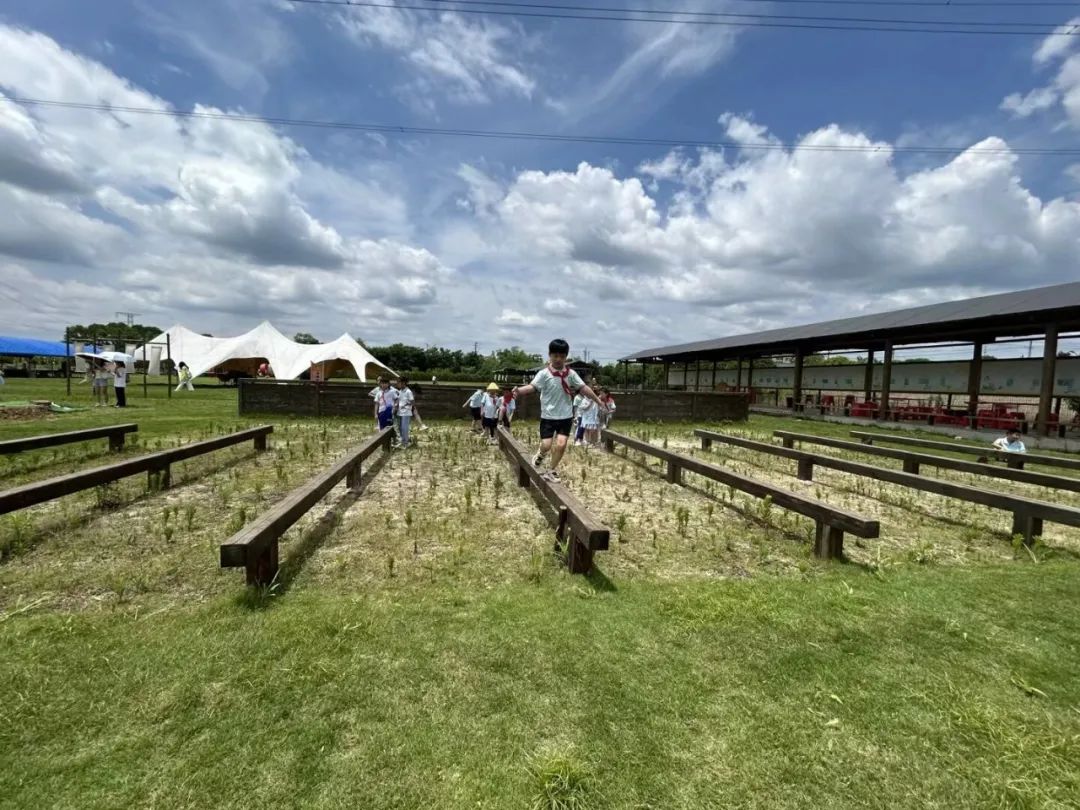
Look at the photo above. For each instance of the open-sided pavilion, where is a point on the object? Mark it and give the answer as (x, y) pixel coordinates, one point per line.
(1045, 313)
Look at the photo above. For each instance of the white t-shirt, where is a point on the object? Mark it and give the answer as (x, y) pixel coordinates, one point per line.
(489, 408)
(384, 399)
(405, 400)
(555, 402)
(589, 413)
(509, 406)
(120, 378)
(476, 399)
(1009, 447)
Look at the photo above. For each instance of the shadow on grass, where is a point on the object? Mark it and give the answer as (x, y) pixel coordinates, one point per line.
(600, 581)
(255, 597)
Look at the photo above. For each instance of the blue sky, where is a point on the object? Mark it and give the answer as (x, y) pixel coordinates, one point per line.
(453, 240)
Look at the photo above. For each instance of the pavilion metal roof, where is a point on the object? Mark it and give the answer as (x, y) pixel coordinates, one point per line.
(1024, 312)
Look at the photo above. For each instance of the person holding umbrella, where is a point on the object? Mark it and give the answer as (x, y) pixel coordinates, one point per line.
(120, 383)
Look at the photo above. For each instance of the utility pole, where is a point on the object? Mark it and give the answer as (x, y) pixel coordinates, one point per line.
(130, 316)
(476, 347)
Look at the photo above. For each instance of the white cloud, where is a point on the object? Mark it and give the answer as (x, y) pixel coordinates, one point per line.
(197, 215)
(560, 307)
(469, 62)
(511, 317)
(1065, 86)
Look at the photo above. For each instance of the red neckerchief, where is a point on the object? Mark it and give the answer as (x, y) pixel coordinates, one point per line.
(507, 399)
(561, 377)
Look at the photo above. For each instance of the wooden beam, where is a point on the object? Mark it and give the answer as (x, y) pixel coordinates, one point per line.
(1049, 372)
(157, 464)
(913, 461)
(114, 433)
(587, 533)
(255, 547)
(839, 519)
(1015, 460)
(1020, 507)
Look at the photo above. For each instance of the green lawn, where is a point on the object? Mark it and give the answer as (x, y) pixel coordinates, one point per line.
(424, 650)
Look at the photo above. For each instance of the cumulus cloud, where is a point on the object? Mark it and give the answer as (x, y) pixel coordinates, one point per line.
(559, 307)
(511, 317)
(197, 213)
(1064, 88)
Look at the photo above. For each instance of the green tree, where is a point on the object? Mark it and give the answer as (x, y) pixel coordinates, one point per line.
(305, 337)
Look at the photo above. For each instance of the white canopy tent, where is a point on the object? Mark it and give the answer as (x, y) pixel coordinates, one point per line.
(287, 359)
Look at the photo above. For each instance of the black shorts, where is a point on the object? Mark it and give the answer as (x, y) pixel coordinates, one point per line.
(554, 427)
(475, 414)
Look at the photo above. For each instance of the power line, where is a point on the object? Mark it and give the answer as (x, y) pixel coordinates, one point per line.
(400, 129)
(737, 14)
(1075, 31)
(510, 135)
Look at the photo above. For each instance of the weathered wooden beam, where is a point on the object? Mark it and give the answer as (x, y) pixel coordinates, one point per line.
(255, 547)
(1015, 460)
(840, 519)
(1055, 513)
(41, 491)
(114, 433)
(586, 533)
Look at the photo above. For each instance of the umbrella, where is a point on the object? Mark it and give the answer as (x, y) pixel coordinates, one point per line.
(108, 357)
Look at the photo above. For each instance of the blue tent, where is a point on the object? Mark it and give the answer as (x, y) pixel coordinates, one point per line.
(29, 347)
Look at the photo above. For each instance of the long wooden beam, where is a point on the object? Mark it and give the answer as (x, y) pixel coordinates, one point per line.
(255, 547)
(914, 461)
(831, 521)
(157, 464)
(1028, 513)
(114, 433)
(587, 533)
(1014, 460)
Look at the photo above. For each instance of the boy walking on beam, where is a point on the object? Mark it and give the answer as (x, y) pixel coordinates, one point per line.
(557, 384)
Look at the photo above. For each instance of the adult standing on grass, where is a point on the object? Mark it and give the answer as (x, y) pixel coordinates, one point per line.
(185, 377)
(120, 384)
(101, 384)
(404, 409)
(557, 384)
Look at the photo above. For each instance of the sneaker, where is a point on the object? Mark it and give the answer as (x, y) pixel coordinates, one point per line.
(552, 476)
(538, 460)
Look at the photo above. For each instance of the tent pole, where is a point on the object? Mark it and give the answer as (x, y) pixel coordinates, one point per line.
(146, 371)
(168, 356)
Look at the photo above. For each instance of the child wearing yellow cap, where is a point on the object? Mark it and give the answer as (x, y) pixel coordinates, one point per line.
(489, 411)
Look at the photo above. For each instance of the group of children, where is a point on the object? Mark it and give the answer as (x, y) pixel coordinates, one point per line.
(491, 407)
(592, 417)
(396, 406)
(98, 374)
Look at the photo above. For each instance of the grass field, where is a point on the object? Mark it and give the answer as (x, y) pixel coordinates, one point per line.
(423, 647)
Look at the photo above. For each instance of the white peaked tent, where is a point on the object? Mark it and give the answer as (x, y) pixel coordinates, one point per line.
(287, 359)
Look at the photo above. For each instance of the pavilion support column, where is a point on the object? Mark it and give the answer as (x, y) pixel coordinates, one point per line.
(886, 381)
(750, 378)
(738, 376)
(796, 387)
(974, 383)
(643, 375)
(713, 386)
(868, 382)
(697, 376)
(626, 375)
(667, 374)
(1049, 371)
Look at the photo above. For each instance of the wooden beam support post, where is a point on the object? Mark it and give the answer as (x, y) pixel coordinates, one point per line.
(974, 382)
(1049, 372)
(1027, 527)
(886, 381)
(805, 469)
(828, 542)
(868, 379)
(796, 392)
(116, 442)
(674, 473)
(706, 443)
(261, 568)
